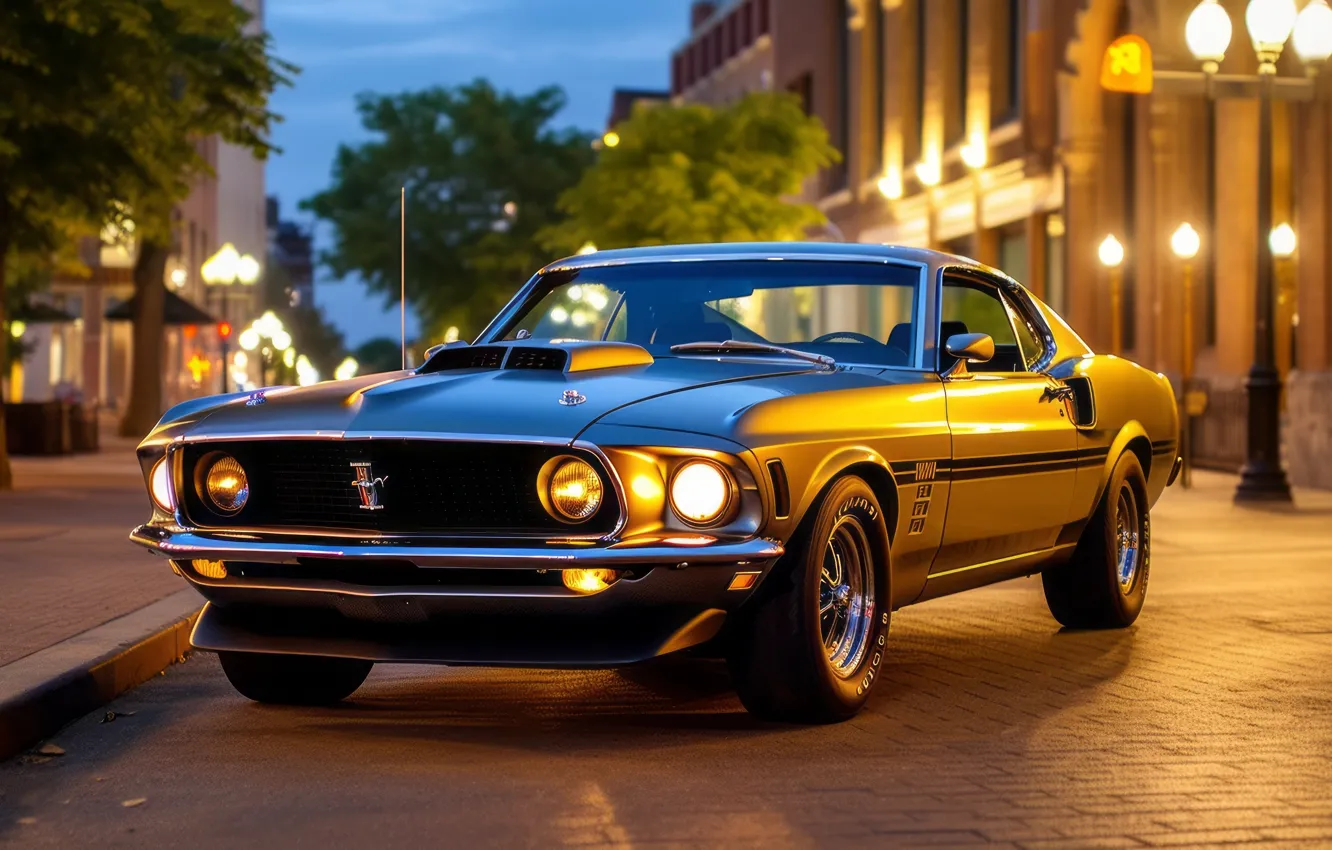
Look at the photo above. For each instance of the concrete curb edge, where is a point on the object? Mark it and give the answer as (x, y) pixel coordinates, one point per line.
(68, 691)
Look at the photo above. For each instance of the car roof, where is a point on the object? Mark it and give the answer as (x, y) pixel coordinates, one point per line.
(830, 251)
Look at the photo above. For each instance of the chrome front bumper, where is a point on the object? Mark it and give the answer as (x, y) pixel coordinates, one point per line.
(185, 544)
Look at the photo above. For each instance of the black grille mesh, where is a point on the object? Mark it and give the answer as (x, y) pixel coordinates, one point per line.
(479, 357)
(430, 487)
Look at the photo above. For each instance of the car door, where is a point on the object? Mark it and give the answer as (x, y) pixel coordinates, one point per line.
(1014, 446)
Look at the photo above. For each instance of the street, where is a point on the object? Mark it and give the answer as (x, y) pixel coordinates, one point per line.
(1204, 724)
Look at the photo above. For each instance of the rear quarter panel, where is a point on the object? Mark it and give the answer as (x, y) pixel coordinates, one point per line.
(1134, 411)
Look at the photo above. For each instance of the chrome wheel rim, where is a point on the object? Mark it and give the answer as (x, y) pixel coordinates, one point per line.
(846, 596)
(1128, 536)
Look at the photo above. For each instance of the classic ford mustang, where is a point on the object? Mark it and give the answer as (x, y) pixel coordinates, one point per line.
(754, 451)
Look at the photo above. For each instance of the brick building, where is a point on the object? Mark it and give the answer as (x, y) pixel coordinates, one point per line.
(980, 127)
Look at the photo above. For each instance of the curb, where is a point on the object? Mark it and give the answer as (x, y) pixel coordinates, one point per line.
(45, 691)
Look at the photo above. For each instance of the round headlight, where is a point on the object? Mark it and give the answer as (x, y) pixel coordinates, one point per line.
(226, 485)
(159, 485)
(575, 490)
(700, 492)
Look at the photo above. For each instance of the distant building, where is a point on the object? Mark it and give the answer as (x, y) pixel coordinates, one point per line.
(624, 101)
(291, 248)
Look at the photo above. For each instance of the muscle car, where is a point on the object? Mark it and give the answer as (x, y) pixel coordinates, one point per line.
(752, 451)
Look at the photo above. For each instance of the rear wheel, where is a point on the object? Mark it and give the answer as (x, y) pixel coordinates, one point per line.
(1104, 584)
(809, 646)
(293, 679)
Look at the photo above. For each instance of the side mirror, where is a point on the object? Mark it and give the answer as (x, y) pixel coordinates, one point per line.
(972, 348)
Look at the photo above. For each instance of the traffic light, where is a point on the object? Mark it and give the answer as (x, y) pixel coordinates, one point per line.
(224, 330)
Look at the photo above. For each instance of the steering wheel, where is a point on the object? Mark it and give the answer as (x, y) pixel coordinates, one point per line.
(847, 335)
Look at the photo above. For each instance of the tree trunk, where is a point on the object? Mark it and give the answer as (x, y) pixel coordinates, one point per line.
(145, 397)
(6, 474)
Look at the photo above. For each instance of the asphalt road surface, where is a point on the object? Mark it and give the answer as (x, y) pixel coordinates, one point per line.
(1209, 722)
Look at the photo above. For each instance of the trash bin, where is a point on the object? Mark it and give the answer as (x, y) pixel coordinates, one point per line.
(38, 428)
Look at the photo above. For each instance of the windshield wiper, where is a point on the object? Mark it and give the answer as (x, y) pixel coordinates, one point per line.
(736, 345)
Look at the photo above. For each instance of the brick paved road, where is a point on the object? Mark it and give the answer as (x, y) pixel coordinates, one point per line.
(65, 563)
(1206, 724)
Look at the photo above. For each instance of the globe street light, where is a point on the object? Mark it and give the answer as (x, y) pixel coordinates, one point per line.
(1184, 243)
(1111, 255)
(224, 269)
(1271, 23)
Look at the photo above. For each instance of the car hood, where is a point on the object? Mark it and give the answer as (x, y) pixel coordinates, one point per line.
(497, 403)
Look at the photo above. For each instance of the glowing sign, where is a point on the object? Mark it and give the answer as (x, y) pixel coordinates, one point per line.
(1127, 66)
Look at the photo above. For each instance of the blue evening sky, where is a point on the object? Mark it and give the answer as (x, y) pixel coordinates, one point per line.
(348, 46)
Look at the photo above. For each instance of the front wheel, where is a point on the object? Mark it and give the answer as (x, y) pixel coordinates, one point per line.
(808, 647)
(1104, 584)
(293, 679)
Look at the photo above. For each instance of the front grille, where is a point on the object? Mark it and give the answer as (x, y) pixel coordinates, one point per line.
(429, 487)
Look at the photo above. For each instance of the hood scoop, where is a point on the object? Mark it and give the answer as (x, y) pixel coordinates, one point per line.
(560, 356)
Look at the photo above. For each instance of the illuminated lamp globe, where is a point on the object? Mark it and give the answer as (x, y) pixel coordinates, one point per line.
(1282, 241)
(1208, 33)
(1313, 33)
(247, 270)
(249, 339)
(1270, 23)
(1185, 242)
(1111, 252)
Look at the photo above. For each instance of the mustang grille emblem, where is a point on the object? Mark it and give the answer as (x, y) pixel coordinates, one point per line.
(368, 486)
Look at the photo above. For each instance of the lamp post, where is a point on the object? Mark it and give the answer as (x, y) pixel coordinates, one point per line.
(974, 157)
(1111, 255)
(1270, 24)
(224, 269)
(1184, 243)
(270, 338)
(1282, 241)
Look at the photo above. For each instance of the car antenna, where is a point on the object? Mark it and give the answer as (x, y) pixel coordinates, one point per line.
(402, 306)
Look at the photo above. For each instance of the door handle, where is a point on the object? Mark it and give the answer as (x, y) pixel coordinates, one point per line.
(1060, 392)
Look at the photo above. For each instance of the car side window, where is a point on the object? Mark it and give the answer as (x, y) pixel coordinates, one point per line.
(1029, 339)
(973, 307)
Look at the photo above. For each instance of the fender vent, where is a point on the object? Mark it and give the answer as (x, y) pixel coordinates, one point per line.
(781, 491)
(469, 357)
(1084, 403)
(523, 357)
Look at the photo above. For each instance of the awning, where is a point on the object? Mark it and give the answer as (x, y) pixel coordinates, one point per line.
(177, 311)
(38, 313)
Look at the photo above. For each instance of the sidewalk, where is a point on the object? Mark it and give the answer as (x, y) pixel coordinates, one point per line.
(66, 564)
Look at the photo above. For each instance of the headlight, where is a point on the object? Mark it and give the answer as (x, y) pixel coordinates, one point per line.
(159, 486)
(575, 490)
(700, 492)
(226, 485)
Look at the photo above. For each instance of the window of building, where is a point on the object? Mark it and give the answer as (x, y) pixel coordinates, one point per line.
(803, 88)
(880, 58)
(918, 81)
(837, 175)
(1129, 306)
(1056, 281)
(764, 17)
(957, 106)
(1006, 80)
(747, 23)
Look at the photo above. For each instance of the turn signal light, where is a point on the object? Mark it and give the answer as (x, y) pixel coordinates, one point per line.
(159, 485)
(209, 569)
(589, 581)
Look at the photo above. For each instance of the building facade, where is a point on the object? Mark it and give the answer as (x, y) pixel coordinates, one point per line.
(86, 357)
(981, 127)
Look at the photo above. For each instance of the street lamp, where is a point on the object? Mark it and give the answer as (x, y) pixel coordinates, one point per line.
(1111, 255)
(1184, 243)
(224, 269)
(1271, 24)
(974, 157)
(1283, 242)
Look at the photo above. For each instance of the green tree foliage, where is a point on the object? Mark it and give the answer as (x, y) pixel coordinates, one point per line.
(696, 173)
(380, 354)
(483, 171)
(101, 102)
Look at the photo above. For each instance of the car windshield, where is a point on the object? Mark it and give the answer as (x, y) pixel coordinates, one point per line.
(854, 312)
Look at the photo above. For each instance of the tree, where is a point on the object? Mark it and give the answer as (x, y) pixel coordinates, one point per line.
(696, 173)
(100, 101)
(380, 354)
(483, 171)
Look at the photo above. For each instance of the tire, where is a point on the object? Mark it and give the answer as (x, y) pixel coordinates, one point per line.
(1104, 584)
(293, 679)
(779, 656)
